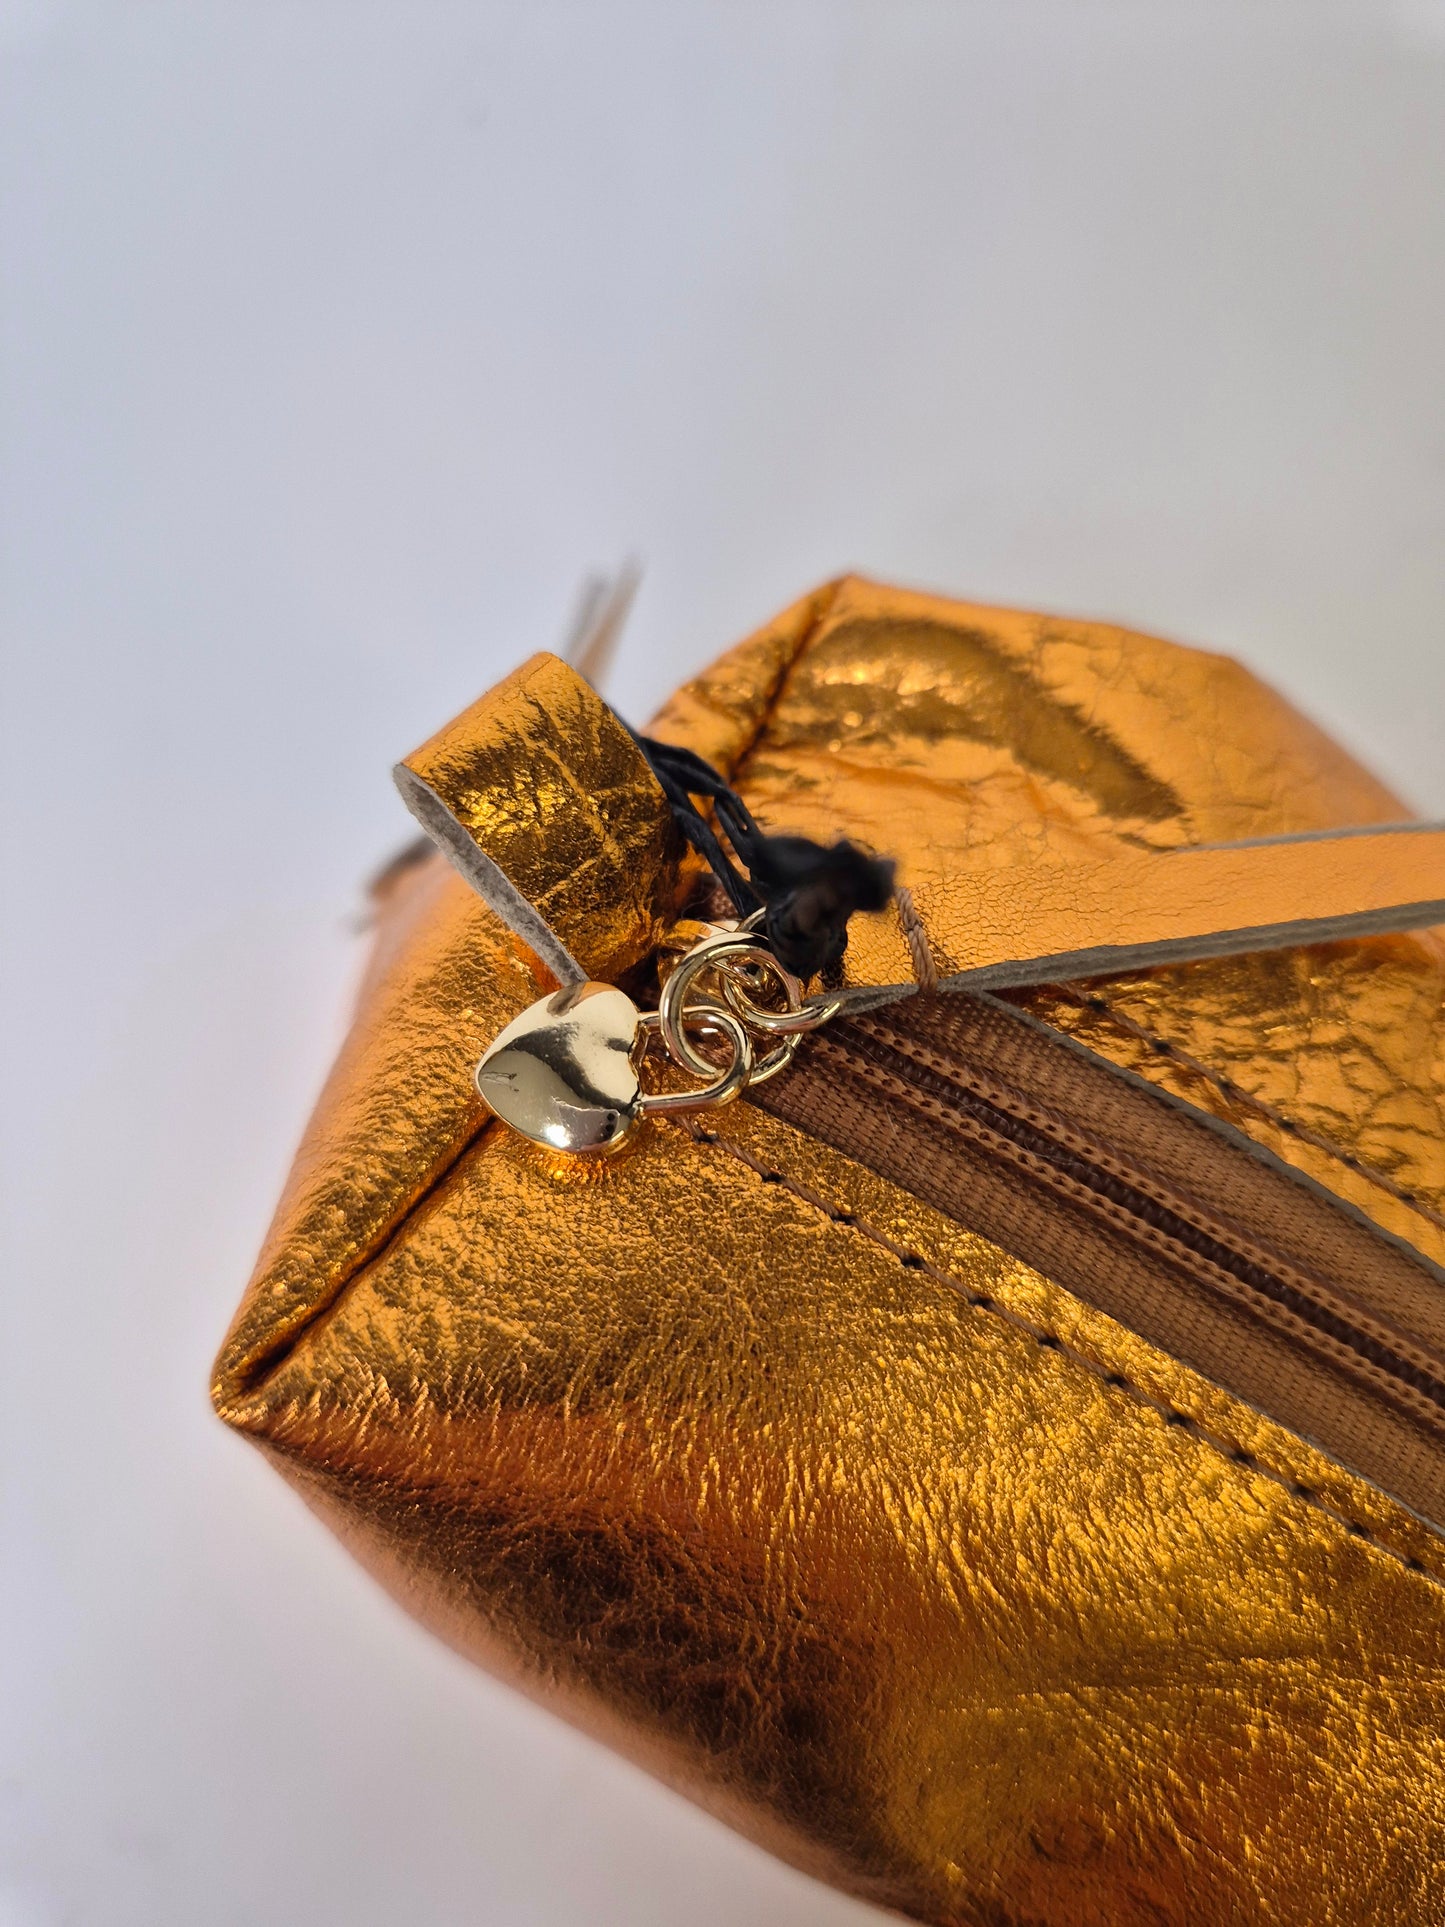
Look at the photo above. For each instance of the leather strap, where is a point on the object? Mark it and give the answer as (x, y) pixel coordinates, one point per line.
(1139, 910)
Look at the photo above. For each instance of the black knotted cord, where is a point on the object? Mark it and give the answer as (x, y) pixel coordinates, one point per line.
(806, 891)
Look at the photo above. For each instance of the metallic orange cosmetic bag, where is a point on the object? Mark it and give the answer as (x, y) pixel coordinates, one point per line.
(999, 1461)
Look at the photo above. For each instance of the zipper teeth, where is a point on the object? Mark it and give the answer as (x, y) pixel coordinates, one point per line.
(960, 1097)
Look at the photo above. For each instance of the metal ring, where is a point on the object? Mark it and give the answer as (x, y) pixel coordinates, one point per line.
(672, 1007)
(777, 1059)
(737, 962)
(725, 1085)
(803, 1013)
(804, 1016)
(733, 972)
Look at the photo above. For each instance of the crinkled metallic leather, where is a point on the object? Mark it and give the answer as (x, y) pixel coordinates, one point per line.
(706, 1447)
(542, 779)
(953, 735)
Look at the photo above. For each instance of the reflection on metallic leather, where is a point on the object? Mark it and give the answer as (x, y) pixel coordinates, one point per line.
(875, 1539)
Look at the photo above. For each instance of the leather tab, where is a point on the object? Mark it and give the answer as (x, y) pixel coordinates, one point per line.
(546, 806)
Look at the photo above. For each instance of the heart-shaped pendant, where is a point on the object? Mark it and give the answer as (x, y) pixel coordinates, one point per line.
(564, 1073)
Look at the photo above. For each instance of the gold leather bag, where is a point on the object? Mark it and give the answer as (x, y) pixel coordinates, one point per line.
(1000, 1463)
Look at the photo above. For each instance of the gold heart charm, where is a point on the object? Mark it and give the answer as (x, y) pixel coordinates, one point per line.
(564, 1073)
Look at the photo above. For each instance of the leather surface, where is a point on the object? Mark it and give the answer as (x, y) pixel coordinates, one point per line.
(547, 808)
(545, 785)
(956, 736)
(989, 1611)
(930, 1606)
(1059, 917)
(1333, 1057)
(397, 1110)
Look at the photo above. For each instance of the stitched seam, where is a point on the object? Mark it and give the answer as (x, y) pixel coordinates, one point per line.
(1228, 1449)
(1164, 1243)
(1237, 1094)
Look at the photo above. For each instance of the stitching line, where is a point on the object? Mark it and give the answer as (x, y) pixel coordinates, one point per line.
(1155, 1237)
(1162, 1047)
(1226, 1448)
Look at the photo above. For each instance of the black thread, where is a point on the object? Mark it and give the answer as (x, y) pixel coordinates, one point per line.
(806, 891)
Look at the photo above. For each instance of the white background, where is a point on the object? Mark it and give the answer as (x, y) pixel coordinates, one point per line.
(339, 341)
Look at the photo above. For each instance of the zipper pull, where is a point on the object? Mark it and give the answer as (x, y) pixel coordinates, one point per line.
(567, 1073)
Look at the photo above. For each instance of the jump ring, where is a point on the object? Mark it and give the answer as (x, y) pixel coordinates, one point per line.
(725, 1085)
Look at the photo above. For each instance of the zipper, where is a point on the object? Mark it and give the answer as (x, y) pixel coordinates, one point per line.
(1176, 1225)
